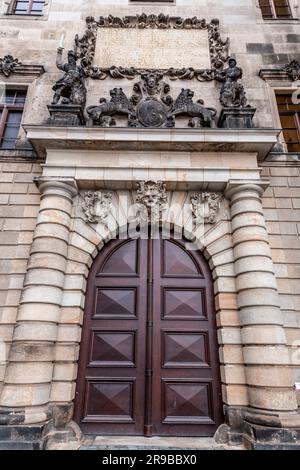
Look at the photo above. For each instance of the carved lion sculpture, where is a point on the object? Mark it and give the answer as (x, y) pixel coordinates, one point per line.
(202, 116)
(101, 115)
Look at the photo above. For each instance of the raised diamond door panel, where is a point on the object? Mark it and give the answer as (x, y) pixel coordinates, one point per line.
(113, 348)
(109, 401)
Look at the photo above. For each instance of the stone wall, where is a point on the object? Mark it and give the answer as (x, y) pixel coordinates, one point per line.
(20, 200)
(281, 207)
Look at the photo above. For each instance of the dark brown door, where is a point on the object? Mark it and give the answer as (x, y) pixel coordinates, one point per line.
(148, 362)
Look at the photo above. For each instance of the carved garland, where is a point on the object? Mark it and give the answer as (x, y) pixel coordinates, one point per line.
(86, 45)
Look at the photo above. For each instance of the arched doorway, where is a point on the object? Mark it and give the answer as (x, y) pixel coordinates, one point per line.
(149, 357)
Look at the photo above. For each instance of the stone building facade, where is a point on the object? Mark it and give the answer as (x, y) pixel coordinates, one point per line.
(230, 185)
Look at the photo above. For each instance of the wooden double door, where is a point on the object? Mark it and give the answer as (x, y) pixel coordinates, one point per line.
(149, 358)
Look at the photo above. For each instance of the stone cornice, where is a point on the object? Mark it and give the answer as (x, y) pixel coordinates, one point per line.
(259, 141)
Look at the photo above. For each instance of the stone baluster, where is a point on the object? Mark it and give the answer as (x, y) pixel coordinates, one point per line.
(27, 384)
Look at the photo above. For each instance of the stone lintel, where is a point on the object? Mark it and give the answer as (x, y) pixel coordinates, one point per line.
(261, 141)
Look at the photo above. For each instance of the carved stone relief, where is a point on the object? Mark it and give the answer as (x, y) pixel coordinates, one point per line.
(205, 207)
(151, 195)
(151, 105)
(96, 206)
(8, 65)
(86, 45)
(293, 70)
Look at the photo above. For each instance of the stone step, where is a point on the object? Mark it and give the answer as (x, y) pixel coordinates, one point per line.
(150, 448)
(17, 445)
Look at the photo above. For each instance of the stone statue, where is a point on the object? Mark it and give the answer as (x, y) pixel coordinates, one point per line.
(201, 116)
(232, 92)
(71, 87)
(101, 115)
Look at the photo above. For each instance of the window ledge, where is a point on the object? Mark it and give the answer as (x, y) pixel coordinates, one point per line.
(281, 21)
(12, 16)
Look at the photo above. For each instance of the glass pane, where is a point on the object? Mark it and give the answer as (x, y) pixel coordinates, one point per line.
(266, 9)
(14, 117)
(21, 7)
(282, 8)
(9, 137)
(8, 97)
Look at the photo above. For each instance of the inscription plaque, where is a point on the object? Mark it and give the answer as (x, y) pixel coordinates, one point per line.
(153, 48)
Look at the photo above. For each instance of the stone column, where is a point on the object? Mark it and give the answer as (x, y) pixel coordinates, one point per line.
(268, 374)
(26, 391)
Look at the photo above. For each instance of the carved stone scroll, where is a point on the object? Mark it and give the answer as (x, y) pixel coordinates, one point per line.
(205, 207)
(96, 206)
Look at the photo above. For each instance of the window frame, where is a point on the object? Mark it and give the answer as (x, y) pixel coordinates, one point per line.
(274, 12)
(5, 109)
(286, 91)
(29, 13)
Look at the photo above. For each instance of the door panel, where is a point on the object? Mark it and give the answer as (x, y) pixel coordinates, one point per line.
(186, 393)
(148, 361)
(110, 395)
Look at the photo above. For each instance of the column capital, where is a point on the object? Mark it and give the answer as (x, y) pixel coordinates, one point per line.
(239, 186)
(57, 186)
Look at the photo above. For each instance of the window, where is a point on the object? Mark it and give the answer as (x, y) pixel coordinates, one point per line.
(275, 9)
(28, 7)
(11, 110)
(290, 121)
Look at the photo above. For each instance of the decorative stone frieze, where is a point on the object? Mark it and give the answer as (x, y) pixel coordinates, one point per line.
(86, 45)
(152, 196)
(205, 207)
(96, 206)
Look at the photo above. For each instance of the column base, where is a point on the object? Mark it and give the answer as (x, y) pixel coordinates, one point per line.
(265, 438)
(259, 429)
